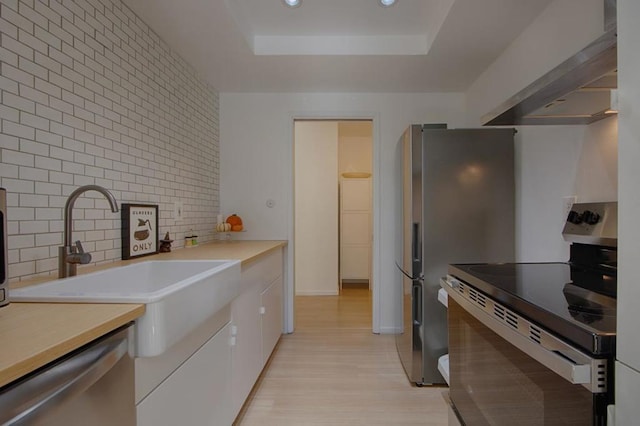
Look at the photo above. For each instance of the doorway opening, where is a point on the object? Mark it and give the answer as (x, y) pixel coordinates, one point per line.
(333, 209)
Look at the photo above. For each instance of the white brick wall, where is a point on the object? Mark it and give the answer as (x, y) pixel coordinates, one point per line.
(91, 95)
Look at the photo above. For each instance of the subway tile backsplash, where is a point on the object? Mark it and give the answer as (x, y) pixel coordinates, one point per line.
(91, 95)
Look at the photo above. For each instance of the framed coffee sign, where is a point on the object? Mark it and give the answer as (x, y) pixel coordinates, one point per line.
(139, 230)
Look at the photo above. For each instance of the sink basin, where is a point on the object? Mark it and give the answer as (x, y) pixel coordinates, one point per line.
(179, 295)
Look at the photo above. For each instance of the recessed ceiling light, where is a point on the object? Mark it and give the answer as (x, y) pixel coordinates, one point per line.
(293, 3)
(387, 3)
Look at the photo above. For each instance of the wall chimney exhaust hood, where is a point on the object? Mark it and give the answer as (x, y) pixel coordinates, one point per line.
(578, 91)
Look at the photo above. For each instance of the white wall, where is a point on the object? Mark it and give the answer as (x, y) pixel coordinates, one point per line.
(90, 95)
(256, 136)
(355, 146)
(553, 162)
(316, 208)
(355, 154)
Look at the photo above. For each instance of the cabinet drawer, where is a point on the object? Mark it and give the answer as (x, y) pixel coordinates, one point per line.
(272, 267)
(264, 270)
(354, 263)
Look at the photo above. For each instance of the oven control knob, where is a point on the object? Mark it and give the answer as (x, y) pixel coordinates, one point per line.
(574, 217)
(590, 217)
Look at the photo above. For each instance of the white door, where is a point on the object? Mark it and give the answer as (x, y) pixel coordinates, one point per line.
(316, 207)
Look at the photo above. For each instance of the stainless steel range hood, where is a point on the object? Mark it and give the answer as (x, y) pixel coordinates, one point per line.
(578, 91)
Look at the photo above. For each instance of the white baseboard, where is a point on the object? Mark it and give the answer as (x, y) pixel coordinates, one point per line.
(317, 293)
(390, 330)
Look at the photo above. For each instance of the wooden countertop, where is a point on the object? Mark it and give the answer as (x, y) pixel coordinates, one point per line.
(34, 334)
(245, 251)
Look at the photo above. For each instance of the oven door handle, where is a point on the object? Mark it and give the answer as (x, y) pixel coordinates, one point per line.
(576, 373)
(568, 362)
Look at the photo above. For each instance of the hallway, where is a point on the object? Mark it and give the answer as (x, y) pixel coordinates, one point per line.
(334, 371)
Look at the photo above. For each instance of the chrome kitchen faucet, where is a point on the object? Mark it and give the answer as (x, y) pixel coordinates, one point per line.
(69, 256)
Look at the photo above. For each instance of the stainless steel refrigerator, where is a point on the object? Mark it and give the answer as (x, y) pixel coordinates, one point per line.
(457, 206)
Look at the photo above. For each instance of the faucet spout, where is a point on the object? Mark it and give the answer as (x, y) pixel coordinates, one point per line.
(70, 255)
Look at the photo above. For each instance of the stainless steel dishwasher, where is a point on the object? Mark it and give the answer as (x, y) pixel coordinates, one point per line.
(94, 385)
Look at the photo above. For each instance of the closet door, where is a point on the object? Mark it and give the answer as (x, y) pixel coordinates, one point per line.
(355, 229)
(316, 208)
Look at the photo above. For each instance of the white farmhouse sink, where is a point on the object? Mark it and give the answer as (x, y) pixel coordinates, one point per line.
(179, 295)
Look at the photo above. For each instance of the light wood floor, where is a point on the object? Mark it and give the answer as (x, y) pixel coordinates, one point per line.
(333, 371)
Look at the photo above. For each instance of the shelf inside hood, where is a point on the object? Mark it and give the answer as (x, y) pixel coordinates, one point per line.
(578, 91)
(592, 100)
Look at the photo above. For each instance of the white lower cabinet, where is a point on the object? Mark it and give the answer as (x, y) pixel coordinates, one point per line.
(256, 318)
(205, 378)
(197, 393)
(627, 383)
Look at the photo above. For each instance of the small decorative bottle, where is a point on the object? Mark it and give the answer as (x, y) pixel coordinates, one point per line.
(191, 240)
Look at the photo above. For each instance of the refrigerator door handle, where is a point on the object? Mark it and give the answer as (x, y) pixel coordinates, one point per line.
(415, 242)
(417, 304)
(403, 272)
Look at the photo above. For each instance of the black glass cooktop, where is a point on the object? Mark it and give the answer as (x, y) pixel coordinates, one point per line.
(550, 295)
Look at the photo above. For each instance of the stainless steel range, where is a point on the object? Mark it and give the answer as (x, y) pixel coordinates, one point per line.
(534, 343)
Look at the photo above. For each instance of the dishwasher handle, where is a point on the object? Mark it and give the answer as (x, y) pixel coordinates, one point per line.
(33, 397)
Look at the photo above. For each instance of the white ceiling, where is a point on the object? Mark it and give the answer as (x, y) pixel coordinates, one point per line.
(338, 45)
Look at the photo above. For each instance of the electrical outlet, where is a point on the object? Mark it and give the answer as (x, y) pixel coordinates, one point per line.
(178, 210)
(567, 202)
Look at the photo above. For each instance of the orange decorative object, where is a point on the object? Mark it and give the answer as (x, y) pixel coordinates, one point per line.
(236, 228)
(234, 220)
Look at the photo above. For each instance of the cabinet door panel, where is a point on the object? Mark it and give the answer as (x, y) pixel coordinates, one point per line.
(271, 318)
(356, 194)
(198, 393)
(627, 384)
(247, 351)
(355, 229)
(354, 263)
